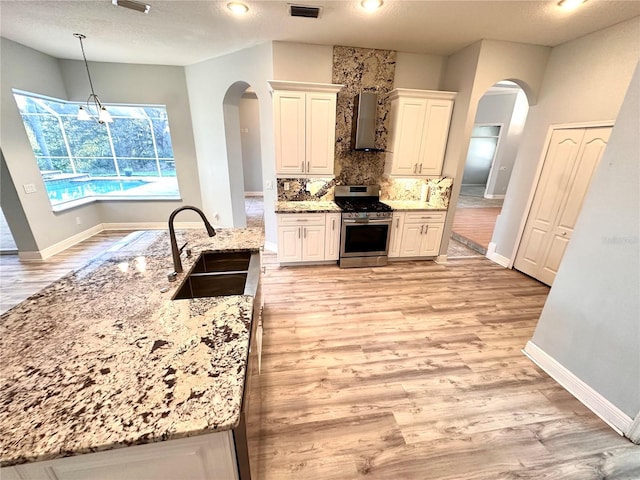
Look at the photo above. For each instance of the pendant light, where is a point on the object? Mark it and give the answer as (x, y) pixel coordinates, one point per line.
(93, 102)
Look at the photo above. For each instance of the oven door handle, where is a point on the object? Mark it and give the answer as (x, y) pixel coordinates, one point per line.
(367, 220)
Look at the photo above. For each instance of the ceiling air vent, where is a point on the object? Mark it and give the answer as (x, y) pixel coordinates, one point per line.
(304, 11)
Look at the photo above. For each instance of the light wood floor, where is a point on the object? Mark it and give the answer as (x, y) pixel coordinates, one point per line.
(415, 371)
(474, 226)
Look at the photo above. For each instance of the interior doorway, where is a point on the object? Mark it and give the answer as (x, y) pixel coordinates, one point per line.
(500, 119)
(251, 158)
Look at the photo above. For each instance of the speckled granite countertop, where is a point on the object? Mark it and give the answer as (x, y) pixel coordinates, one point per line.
(408, 205)
(102, 358)
(307, 207)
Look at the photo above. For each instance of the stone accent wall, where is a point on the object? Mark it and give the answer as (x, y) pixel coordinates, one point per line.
(361, 70)
(306, 189)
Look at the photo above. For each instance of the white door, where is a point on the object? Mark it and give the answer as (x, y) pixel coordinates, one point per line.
(289, 129)
(313, 243)
(289, 244)
(408, 135)
(332, 236)
(571, 159)
(320, 132)
(434, 141)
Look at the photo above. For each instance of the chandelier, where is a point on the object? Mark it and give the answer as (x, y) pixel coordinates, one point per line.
(94, 109)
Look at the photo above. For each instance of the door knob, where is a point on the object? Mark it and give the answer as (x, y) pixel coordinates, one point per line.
(564, 233)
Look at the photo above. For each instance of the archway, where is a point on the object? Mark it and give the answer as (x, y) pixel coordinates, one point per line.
(492, 152)
(242, 137)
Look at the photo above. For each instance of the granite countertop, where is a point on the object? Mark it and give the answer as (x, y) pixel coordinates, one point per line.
(408, 205)
(103, 358)
(324, 206)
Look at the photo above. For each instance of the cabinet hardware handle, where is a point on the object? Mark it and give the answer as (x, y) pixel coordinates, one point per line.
(397, 223)
(305, 232)
(420, 171)
(426, 227)
(298, 232)
(333, 224)
(421, 229)
(302, 167)
(415, 168)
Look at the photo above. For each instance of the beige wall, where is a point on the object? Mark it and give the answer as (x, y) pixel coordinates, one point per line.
(585, 81)
(421, 72)
(301, 62)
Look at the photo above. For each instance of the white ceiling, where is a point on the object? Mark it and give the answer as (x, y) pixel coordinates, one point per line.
(183, 32)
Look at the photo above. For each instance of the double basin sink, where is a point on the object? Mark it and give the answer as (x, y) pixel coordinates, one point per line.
(219, 274)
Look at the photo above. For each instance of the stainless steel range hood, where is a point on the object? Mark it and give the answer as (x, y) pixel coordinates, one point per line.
(363, 128)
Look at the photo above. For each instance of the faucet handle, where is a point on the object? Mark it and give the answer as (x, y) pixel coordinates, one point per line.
(188, 252)
(172, 276)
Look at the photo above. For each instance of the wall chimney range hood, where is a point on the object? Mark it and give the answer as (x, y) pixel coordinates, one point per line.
(363, 127)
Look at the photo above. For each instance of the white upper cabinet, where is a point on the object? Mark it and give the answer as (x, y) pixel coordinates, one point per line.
(419, 130)
(305, 127)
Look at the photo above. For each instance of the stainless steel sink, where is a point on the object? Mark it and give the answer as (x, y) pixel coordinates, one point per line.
(220, 274)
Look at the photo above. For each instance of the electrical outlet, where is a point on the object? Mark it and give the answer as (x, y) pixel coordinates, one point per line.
(78, 221)
(269, 185)
(29, 188)
(286, 186)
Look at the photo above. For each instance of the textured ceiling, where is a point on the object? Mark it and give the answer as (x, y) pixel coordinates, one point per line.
(183, 32)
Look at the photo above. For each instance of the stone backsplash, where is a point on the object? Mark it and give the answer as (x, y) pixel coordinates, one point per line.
(361, 70)
(306, 189)
(439, 189)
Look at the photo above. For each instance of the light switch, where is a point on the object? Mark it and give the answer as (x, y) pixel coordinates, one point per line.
(29, 188)
(286, 186)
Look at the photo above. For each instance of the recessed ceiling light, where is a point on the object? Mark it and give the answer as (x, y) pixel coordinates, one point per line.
(570, 4)
(238, 8)
(371, 5)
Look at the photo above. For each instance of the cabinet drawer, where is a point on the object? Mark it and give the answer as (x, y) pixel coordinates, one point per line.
(425, 217)
(301, 219)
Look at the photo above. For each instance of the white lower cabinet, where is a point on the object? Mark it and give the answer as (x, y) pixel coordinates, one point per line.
(332, 236)
(397, 224)
(420, 234)
(308, 237)
(197, 458)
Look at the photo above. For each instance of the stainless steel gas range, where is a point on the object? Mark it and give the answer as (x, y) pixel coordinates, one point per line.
(366, 226)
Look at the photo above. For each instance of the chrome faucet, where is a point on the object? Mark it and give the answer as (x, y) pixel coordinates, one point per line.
(175, 251)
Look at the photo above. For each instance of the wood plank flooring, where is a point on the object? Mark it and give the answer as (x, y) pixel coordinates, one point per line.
(474, 226)
(412, 371)
(19, 280)
(415, 371)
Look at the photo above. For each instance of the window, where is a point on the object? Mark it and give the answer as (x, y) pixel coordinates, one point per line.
(131, 157)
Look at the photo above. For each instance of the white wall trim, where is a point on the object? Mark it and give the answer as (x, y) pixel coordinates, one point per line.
(441, 259)
(271, 246)
(496, 257)
(253, 194)
(494, 197)
(38, 255)
(60, 246)
(633, 433)
(536, 177)
(595, 402)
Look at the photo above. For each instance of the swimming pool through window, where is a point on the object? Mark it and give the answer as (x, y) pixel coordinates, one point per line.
(131, 157)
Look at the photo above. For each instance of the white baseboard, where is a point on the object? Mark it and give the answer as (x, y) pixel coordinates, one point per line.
(34, 256)
(496, 257)
(494, 197)
(591, 399)
(253, 194)
(60, 246)
(271, 246)
(441, 259)
(633, 433)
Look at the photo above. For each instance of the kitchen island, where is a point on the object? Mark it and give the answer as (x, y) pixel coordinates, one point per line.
(103, 358)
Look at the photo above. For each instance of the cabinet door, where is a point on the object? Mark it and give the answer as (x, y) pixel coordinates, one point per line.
(434, 138)
(320, 133)
(313, 243)
(289, 244)
(289, 128)
(408, 131)
(431, 239)
(411, 240)
(397, 225)
(332, 236)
